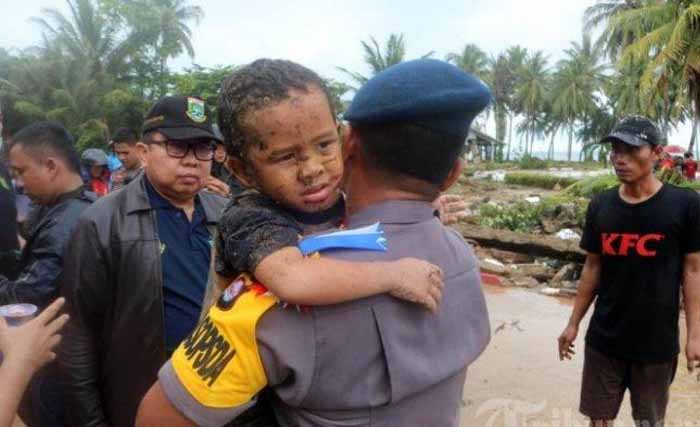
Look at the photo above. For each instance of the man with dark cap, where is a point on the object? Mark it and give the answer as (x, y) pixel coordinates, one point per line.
(137, 268)
(643, 243)
(374, 361)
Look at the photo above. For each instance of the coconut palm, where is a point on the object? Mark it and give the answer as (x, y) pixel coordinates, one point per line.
(85, 36)
(611, 40)
(378, 60)
(471, 60)
(666, 38)
(165, 24)
(578, 81)
(514, 59)
(531, 96)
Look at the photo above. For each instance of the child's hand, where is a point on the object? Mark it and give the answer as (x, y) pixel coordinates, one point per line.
(418, 281)
(31, 345)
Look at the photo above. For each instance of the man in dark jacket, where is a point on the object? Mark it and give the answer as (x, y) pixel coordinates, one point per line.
(138, 266)
(45, 162)
(9, 244)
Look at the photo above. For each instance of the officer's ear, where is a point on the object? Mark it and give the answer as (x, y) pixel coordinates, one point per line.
(454, 174)
(350, 141)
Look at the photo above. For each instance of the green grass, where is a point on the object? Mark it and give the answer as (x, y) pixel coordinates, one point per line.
(547, 182)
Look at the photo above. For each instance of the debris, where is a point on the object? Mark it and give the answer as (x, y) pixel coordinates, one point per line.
(490, 265)
(526, 282)
(533, 245)
(565, 273)
(540, 272)
(568, 234)
(500, 328)
(549, 291)
(533, 199)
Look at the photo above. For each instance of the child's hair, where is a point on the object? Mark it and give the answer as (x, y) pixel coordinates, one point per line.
(255, 86)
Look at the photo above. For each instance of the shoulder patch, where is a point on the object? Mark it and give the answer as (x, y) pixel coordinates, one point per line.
(219, 363)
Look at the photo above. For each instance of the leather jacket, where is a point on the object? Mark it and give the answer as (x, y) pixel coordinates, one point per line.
(114, 344)
(37, 275)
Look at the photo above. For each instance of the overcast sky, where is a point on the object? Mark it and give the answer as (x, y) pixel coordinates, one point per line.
(327, 34)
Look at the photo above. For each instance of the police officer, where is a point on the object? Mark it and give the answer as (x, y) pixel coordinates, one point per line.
(368, 362)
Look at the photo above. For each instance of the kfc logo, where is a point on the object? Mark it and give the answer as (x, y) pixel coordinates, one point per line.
(620, 244)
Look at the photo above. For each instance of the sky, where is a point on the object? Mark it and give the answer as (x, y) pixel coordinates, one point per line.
(326, 34)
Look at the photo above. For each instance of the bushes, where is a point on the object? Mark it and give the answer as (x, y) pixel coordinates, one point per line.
(589, 187)
(529, 162)
(522, 216)
(547, 182)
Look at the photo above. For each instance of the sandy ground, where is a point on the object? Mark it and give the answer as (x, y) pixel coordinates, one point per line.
(519, 380)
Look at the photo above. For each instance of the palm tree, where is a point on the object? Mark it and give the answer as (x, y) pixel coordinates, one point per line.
(165, 26)
(85, 36)
(515, 59)
(531, 95)
(612, 40)
(394, 53)
(472, 60)
(665, 36)
(578, 79)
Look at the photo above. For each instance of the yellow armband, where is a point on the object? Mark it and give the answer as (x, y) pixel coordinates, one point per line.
(219, 363)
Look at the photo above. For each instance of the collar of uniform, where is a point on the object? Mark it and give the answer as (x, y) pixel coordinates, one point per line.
(137, 200)
(393, 212)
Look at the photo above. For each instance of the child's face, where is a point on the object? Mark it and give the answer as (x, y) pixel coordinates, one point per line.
(300, 162)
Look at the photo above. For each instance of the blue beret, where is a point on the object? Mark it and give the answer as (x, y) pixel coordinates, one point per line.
(426, 92)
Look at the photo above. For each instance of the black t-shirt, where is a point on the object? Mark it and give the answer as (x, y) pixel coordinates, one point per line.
(642, 247)
(254, 226)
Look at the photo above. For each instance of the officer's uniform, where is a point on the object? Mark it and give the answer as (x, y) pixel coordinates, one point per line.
(377, 361)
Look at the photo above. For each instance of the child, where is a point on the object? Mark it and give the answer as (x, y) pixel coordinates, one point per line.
(282, 140)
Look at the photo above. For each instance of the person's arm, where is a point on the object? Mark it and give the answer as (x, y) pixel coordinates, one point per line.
(317, 281)
(587, 289)
(85, 285)
(691, 298)
(25, 349)
(37, 283)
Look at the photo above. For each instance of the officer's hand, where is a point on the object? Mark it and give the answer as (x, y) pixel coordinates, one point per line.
(451, 208)
(692, 353)
(566, 342)
(417, 281)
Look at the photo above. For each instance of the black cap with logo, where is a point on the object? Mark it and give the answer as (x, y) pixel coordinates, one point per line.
(180, 117)
(635, 130)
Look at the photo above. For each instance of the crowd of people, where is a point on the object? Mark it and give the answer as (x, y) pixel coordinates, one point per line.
(290, 268)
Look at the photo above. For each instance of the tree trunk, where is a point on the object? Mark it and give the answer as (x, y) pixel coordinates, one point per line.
(694, 135)
(550, 151)
(510, 135)
(571, 142)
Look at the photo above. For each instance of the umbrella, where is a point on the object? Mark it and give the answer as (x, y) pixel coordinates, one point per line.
(674, 149)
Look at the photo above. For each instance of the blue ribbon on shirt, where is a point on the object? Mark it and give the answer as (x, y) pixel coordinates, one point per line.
(367, 238)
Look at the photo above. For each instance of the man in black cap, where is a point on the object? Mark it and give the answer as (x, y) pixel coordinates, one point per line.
(643, 242)
(374, 361)
(137, 268)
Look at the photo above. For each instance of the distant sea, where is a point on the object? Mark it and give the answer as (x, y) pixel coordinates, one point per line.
(558, 155)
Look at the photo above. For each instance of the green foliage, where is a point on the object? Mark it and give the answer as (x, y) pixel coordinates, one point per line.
(532, 163)
(538, 180)
(589, 187)
(518, 217)
(203, 82)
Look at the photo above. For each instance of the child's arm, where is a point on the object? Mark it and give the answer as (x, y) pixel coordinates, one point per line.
(318, 281)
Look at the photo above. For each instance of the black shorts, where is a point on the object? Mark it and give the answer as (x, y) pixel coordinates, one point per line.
(606, 378)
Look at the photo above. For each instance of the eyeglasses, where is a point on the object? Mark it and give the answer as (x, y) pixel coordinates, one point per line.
(179, 149)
